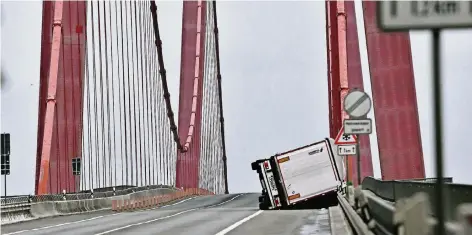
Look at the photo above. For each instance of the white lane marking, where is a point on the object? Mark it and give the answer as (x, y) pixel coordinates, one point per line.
(219, 204)
(146, 222)
(89, 219)
(165, 217)
(235, 225)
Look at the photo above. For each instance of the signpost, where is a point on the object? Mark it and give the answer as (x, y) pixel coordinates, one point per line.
(357, 104)
(342, 141)
(433, 15)
(5, 158)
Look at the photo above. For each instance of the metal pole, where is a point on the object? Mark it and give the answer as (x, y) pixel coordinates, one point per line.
(438, 132)
(358, 156)
(347, 175)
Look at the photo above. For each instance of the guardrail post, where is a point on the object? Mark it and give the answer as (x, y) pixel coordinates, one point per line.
(350, 195)
(91, 193)
(114, 191)
(362, 208)
(411, 215)
(464, 215)
(30, 198)
(64, 194)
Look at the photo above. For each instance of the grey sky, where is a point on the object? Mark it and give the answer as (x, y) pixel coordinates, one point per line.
(274, 84)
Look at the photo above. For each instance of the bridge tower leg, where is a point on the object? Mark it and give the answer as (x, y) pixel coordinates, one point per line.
(191, 81)
(60, 96)
(393, 90)
(337, 58)
(394, 100)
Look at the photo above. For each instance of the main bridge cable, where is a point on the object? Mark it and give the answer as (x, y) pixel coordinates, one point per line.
(162, 71)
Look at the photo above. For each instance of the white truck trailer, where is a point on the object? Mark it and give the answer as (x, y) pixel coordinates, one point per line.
(294, 177)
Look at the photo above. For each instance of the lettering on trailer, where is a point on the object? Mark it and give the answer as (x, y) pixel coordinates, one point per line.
(344, 150)
(272, 182)
(289, 187)
(395, 15)
(316, 151)
(357, 126)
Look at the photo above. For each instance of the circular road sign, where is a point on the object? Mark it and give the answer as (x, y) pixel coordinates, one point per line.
(357, 103)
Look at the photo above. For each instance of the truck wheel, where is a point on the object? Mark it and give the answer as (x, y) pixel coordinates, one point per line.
(263, 206)
(261, 199)
(254, 166)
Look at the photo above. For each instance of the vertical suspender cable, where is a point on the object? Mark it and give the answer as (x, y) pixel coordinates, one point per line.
(136, 96)
(129, 166)
(101, 167)
(114, 182)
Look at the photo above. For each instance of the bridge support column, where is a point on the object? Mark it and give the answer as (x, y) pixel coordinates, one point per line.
(191, 83)
(60, 96)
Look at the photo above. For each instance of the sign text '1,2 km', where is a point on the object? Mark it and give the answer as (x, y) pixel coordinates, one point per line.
(403, 15)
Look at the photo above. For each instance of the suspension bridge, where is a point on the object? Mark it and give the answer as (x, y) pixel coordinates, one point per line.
(109, 140)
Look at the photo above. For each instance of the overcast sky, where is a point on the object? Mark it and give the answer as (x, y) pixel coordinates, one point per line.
(274, 84)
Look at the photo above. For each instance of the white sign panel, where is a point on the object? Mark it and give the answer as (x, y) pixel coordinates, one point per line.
(404, 15)
(344, 150)
(357, 103)
(357, 126)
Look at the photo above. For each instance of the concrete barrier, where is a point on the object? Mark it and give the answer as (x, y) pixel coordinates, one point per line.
(56, 208)
(17, 212)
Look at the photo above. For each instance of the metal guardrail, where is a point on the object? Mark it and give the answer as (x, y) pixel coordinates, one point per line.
(395, 190)
(430, 180)
(89, 194)
(356, 221)
(15, 208)
(408, 207)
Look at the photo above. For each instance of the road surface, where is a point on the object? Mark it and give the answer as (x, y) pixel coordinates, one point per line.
(233, 214)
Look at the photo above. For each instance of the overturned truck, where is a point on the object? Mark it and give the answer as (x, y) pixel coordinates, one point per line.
(308, 177)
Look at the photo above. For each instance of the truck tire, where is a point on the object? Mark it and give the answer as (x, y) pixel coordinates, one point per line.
(254, 166)
(261, 198)
(263, 206)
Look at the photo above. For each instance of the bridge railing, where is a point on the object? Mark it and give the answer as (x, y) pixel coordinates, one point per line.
(396, 190)
(407, 207)
(89, 194)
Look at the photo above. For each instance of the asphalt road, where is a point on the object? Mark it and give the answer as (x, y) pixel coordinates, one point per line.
(234, 214)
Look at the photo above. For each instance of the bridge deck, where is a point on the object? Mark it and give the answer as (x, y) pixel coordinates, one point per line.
(220, 214)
